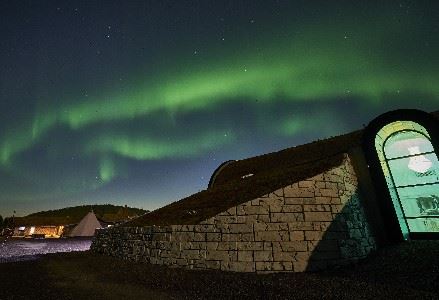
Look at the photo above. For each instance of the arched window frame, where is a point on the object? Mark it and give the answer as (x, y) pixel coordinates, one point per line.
(406, 126)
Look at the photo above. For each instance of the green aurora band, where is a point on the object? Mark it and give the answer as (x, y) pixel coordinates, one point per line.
(313, 66)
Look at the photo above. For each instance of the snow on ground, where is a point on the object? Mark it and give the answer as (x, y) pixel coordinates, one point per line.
(28, 249)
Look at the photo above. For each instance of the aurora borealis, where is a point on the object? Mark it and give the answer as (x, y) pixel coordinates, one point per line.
(138, 102)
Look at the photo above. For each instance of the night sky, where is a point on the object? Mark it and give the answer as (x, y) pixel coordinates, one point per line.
(138, 102)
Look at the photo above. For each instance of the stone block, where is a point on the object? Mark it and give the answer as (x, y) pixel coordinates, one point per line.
(255, 210)
(332, 185)
(286, 217)
(333, 177)
(291, 246)
(247, 237)
(227, 246)
(295, 200)
(240, 228)
(322, 226)
(279, 193)
(261, 226)
(300, 266)
(212, 264)
(318, 216)
(239, 266)
(300, 226)
(205, 228)
(337, 208)
(322, 200)
(290, 191)
(317, 207)
(275, 208)
(199, 236)
(292, 208)
(210, 221)
(302, 256)
(199, 245)
(314, 235)
(284, 256)
(282, 266)
(184, 236)
(272, 236)
(297, 235)
(182, 262)
(212, 245)
(263, 266)
(277, 226)
(306, 183)
(187, 227)
(263, 255)
(244, 255)
(191, 254)
(336, 200)
(263, 218)
(326, 193)
(213, 236)
(231, 237)
(257, 246)
(218, 255)
(229, 219)
(268, 246)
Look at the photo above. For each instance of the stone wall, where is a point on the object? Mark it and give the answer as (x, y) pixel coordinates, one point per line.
(309, 225)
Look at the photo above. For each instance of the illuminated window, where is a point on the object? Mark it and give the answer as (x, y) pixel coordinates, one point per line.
(411, 169)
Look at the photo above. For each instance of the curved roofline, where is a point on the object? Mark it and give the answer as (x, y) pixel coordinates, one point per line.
(217, 171)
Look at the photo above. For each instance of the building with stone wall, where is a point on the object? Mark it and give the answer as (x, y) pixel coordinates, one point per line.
(305, 208)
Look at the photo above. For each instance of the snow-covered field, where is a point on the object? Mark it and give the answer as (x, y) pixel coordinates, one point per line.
(26, 249)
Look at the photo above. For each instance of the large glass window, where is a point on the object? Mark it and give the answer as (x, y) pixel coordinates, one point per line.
(411, 169)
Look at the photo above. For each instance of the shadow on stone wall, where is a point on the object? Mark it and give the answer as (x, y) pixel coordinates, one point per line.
(347, 239)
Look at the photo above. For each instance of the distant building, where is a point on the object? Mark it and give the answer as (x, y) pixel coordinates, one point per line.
(47, 231)
(87, 226)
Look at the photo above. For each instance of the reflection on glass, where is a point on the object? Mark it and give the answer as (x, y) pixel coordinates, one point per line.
(424, 225)
(399, 144)
(418, 163)
(404, 175)
(419, 201)
(428, 205)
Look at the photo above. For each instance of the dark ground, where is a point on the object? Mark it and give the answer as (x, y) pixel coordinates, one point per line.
(407, 271)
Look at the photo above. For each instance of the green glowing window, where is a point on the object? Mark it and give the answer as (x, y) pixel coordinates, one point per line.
(411, 169)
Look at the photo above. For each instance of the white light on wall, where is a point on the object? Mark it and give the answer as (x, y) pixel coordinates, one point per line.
(418, 163)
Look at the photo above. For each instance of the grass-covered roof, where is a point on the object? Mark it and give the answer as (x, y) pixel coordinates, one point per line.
(270, 172)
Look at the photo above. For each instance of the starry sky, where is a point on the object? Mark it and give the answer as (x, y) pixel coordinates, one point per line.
(138, 102)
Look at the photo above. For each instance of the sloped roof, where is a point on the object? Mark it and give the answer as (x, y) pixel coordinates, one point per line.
(87, 226)
(271, 172)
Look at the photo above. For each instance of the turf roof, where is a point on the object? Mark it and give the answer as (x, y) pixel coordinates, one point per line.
(271, 172)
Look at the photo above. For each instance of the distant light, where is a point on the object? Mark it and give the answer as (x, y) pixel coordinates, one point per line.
(248, 175)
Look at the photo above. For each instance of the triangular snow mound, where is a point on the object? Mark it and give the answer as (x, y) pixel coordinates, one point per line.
(87, 226)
